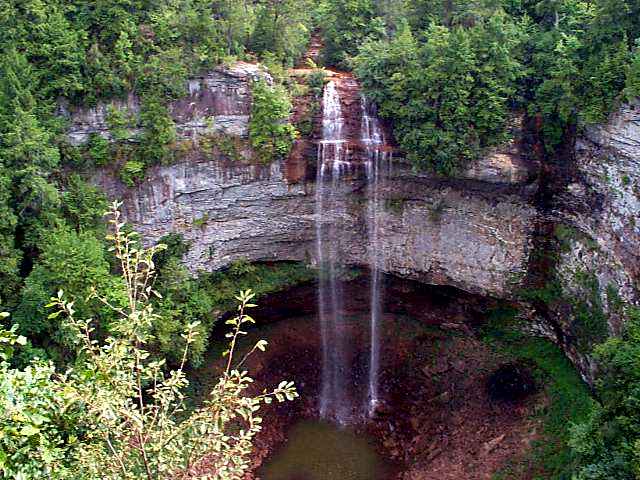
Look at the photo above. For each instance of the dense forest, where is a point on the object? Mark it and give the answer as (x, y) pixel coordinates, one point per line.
(447, 76)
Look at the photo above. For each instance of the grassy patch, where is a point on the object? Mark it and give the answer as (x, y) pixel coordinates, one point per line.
(568, 397)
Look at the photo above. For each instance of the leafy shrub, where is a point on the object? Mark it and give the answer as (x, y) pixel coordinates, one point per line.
(119, 122)
(72, 261)
(117, 413)
(229, 146)
(83, 204)
(159, 134)
(270, 132)
(98, 149)
(175, 247)
(608, 444)
(316, 81)
(132, 172)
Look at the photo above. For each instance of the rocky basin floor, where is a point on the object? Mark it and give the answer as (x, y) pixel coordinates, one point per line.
(439, 420)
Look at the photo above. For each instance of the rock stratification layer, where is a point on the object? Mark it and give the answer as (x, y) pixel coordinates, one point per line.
(474, 232)
(471, 236)
(597, 213)
(218, 102)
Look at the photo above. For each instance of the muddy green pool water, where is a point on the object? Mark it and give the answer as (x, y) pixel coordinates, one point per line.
(321, 451)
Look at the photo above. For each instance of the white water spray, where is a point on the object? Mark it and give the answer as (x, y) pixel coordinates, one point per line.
(378, 164)
(331, 167)
(334, 168)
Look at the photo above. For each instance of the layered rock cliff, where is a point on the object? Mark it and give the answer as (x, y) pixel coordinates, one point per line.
(596, 215)
(474, 232)
(218, 102)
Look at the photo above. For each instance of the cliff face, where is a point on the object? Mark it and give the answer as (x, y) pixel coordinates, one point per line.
(608, 161)
(474, 232)
(477, 239)
(599, 263)
(219, 102)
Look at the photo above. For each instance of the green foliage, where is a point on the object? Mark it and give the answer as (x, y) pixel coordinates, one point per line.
(346, 25)
(36, 431)
(83, 204)
(229, 146)
(606, 70)
(119, 121)
(590, 325)
(236, 22)
(8, 339)
(281, 30)
(98, 149)
(632, 83)
(579, 52)
(175, 248)
(49, 42)
(74, 262)
(132, 172)
(313, 88)
(202, 221)
(39, 429)
(11, 256)
(270, 132)
(446, 95)
(569, 399)
(159, 133)
(315, 81)
(26, 143)
(608, 442)
(118, 413)
(567, 63)
(586, 317)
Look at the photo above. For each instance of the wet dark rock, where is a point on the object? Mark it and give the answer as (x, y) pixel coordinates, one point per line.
(511, 382)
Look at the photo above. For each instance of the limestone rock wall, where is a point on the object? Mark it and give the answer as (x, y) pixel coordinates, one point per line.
(599, 212)
(472, 238)
(477, 240)
(225, 212)
(475, 232)
(219, 101)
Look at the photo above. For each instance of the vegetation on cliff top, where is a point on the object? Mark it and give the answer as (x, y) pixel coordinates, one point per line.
(448, 74)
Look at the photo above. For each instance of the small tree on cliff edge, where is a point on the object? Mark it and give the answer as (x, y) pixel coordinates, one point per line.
(129, 417)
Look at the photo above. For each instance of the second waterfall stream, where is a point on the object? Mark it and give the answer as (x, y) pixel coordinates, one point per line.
(342, 160)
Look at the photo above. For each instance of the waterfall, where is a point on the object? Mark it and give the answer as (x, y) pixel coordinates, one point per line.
(331, 167)
(378, 163)
(334, 178)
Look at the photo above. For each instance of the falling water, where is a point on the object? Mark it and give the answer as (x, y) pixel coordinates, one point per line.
(331, 167)
(377, 165)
